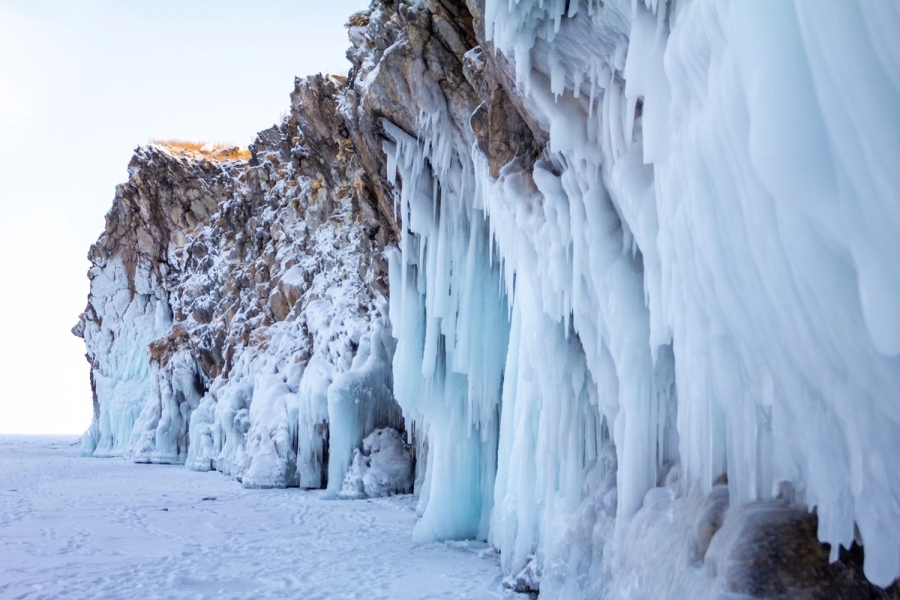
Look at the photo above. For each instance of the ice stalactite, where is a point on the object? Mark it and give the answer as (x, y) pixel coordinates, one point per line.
(773, 207)
(756, 199)
(450, 318)
(521, 298)
(691, 269)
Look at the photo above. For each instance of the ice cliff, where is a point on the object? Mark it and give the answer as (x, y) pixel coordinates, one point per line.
(623, 274)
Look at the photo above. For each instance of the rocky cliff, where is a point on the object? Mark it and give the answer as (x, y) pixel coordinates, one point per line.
(629, 338)
(218, 284)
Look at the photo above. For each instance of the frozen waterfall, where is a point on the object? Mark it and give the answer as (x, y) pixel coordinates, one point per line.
(701, 271)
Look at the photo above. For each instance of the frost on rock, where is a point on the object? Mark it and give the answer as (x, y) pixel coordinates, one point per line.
(382, 468)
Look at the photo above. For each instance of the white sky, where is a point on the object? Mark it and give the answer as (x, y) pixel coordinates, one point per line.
(81, 84)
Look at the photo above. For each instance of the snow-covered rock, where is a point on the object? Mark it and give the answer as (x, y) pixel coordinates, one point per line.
(382, 468)
(237, 318)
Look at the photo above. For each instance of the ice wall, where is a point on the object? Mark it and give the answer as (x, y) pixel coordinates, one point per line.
(777, 219)
(160, 434)
(129, 315)
(699, 271)
(451, 323)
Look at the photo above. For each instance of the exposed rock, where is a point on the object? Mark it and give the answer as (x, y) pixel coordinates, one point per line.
(526, 581)
(770, 550)
(712, 515)
(420, 48)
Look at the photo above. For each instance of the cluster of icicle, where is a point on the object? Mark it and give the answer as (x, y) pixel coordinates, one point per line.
(701, 271)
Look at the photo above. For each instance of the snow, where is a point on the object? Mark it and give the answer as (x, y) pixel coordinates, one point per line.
(78, 528)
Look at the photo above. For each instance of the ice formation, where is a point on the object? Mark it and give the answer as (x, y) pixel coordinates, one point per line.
(382, 468)
(699, 269)
(125, 324)
(642, 292)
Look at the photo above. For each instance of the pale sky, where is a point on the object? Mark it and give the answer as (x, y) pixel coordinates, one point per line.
(81, 84)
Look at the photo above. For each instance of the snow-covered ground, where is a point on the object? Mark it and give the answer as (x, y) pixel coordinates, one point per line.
(72, 527)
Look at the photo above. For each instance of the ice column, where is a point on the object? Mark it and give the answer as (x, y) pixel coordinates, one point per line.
(450, 318)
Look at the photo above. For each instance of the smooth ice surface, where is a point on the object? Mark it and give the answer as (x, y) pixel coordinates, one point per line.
(76, 528)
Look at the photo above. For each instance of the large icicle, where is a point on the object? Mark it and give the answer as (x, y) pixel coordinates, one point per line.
(450, 319)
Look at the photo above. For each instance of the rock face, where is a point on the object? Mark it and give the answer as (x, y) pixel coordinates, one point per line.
(223, 292)
(535, 257)
(206, 264)
(166, 199)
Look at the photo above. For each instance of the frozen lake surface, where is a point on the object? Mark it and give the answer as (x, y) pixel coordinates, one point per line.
(74, 527)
